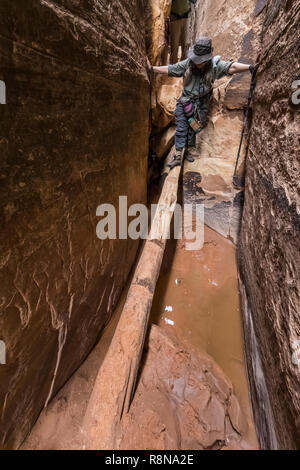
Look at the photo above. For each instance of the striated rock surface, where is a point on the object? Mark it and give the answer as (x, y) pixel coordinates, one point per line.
(73, 135)
(269, 247)
(157, 13)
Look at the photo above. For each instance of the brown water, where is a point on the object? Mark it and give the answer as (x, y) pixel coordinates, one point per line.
(197, 299)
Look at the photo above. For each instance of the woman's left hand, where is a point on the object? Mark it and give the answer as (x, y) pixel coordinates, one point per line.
(149, 66)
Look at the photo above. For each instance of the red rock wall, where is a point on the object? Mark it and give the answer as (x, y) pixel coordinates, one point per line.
(157, 13)
(73, 135)
(269, 245)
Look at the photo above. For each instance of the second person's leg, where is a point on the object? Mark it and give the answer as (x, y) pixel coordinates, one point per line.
(175, 40)
(183, 38)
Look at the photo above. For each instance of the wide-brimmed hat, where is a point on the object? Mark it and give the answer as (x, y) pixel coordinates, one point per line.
(201, 51)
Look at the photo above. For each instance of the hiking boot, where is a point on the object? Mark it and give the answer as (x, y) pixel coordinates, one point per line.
(175, 162)
(189, 158)
(188, 155)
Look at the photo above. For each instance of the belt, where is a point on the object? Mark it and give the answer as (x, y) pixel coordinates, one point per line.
(197, 98)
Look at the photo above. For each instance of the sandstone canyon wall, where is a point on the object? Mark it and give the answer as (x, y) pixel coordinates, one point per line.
(73, 134)
(269, 244)
(157, 13)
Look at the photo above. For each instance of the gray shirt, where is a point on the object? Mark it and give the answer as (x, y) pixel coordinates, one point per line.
(196, 88)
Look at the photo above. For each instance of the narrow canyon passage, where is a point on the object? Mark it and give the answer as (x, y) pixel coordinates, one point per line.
(89, 112)
(196, 302)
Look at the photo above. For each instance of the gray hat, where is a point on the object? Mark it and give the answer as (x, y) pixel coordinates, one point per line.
(202, 51)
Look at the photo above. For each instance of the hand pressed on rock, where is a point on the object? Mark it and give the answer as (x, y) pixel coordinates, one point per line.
(254, 67)
(149, 66)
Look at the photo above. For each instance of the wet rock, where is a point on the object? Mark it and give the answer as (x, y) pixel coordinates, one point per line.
(222, 206)
(74, 135)
(177, 404)
(225, 218)
(192, 186)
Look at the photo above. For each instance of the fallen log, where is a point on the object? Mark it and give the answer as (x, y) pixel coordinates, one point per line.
(116, 380)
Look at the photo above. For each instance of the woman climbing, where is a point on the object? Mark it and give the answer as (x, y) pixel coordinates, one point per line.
(199, 70)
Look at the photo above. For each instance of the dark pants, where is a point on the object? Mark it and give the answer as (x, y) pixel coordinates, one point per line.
(178, 30)
(185, 136)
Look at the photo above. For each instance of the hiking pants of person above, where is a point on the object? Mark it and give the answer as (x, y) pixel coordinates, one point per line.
(183, 129)
(178, 31)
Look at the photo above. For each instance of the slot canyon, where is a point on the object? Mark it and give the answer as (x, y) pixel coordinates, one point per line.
(85, 122)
